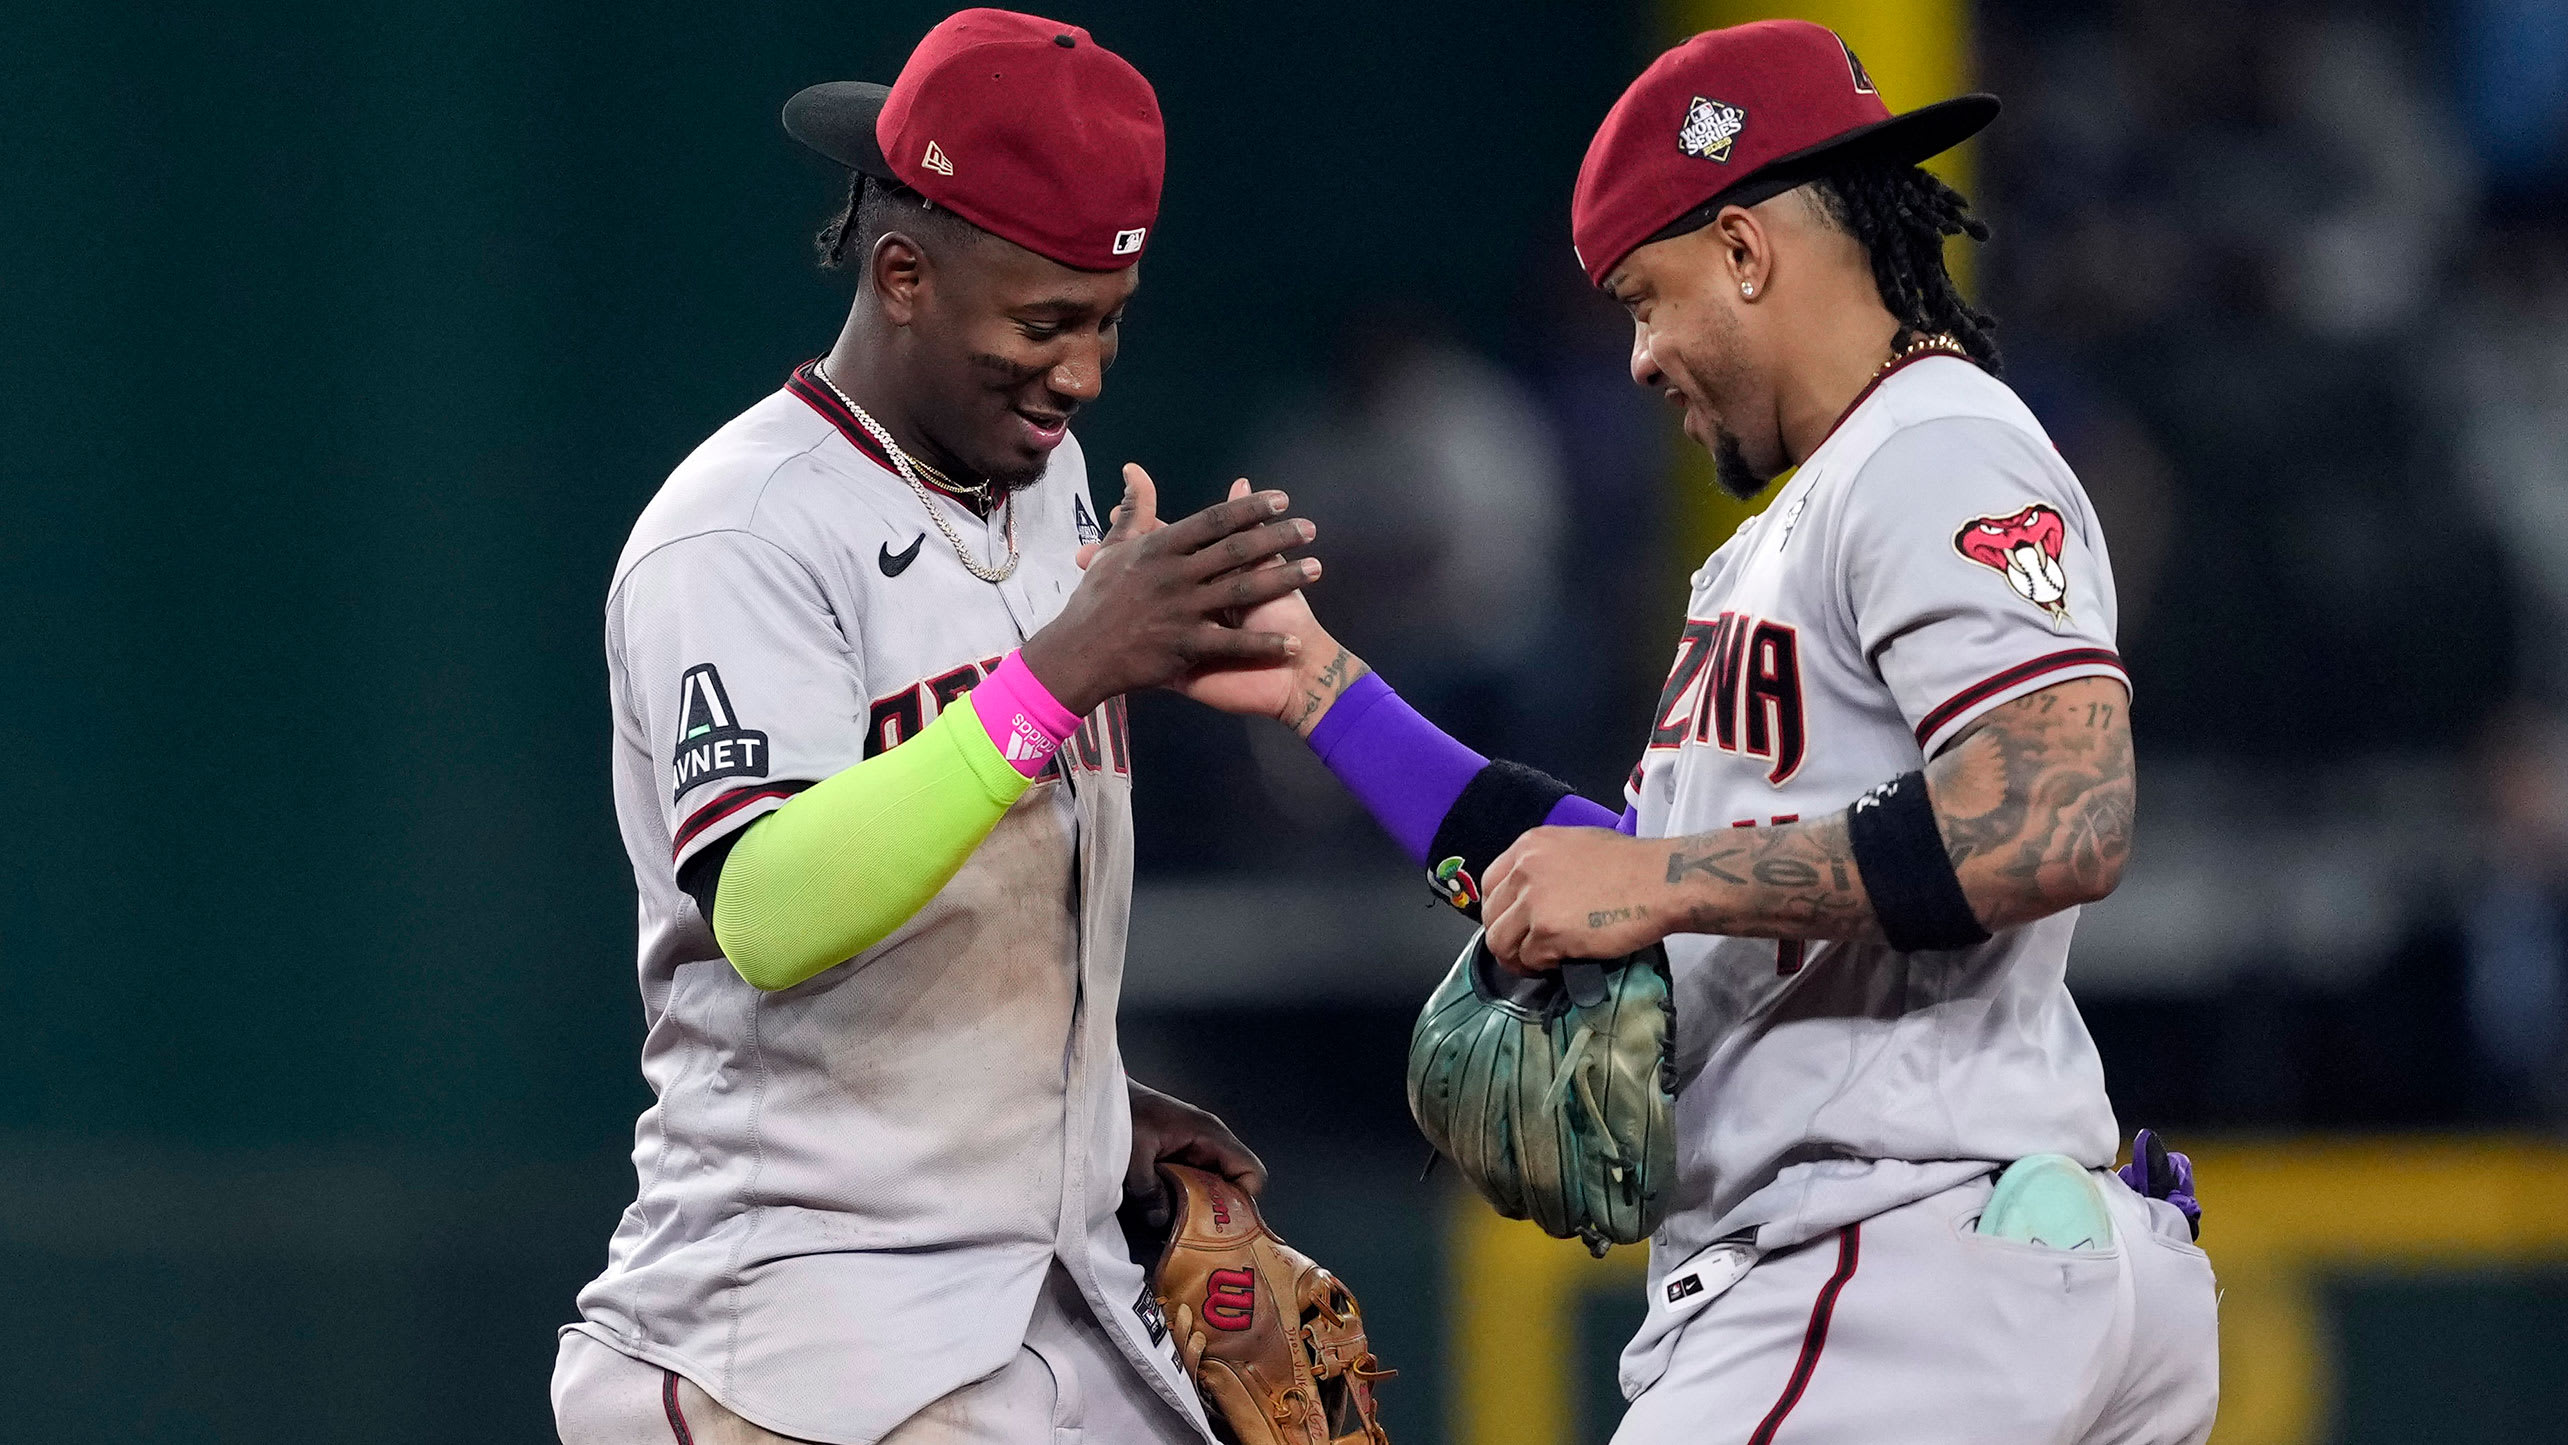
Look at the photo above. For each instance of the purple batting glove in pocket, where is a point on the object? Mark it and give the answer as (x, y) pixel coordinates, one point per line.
(2157, 1172)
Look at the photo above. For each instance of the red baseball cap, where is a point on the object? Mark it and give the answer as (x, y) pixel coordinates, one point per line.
(1732, 117)
(1023, 126)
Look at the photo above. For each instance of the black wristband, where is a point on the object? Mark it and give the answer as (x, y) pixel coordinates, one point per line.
(1502, 802)
(1900, 853)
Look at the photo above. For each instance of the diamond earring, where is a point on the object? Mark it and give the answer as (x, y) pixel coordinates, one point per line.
(1747, 288)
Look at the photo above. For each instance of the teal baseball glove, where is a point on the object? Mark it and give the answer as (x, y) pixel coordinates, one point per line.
(1553, 1093)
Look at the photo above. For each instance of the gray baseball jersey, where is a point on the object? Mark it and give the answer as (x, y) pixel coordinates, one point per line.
(1932, 559)
(851, 1190)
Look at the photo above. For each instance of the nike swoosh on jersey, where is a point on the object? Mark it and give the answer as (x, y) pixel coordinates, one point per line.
(896, 563)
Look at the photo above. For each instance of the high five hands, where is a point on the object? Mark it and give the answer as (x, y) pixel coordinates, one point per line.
(1251, 682)
(1165, 603)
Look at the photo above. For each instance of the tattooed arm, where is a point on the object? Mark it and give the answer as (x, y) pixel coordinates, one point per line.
(2034, 804)
(1317, 688)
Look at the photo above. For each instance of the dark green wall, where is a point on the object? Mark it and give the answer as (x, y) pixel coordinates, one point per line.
(343, 344)
(339, 346)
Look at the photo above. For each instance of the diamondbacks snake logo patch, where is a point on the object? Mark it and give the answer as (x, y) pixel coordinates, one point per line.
(2024, 548)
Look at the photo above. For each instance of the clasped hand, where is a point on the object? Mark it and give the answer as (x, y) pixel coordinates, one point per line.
(1568, 893)
(1161, 604)
(1170, 1129)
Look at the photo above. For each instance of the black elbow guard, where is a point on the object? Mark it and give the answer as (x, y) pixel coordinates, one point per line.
(700, 877)
(1900, 853)
(1502, 803)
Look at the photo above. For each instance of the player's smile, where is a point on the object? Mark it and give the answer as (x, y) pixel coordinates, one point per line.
(1044, 429)
(1038, 338)
(1688, 414)
(1696, 416)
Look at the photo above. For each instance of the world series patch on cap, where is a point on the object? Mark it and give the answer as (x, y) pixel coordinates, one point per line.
(1733, 117)
(1025, 127)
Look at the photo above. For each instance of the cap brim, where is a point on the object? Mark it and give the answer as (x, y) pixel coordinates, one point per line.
(1928, 131)
(836, 118)
(1903, 140)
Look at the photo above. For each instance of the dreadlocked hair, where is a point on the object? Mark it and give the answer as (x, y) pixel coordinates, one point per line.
(831, 243)
(1902, 215)
(875, 206)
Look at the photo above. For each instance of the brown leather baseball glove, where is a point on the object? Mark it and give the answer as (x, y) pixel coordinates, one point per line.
(1273, 1341)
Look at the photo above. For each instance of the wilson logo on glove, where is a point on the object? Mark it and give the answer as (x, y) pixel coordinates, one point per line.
(1230, 1303)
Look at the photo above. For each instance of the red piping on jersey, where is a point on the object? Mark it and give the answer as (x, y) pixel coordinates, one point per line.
(1814, 1339)
(726, 805)
(819, 398)
(1969, 697)
(669, 1402)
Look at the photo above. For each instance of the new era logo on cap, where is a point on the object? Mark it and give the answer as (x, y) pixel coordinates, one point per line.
(1127, 242)
(935, 160)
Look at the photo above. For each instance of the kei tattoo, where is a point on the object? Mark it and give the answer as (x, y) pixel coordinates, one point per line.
(1788, 880)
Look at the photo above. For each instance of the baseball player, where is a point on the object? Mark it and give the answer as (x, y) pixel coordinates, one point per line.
(872, 770)
(1892, 761)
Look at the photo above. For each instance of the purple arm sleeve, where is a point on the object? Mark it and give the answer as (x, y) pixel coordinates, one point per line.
(1407, 772)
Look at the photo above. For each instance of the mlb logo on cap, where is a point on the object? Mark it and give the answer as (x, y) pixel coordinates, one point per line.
(1128, 242)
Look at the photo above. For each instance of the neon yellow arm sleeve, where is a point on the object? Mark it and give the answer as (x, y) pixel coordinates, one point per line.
(835, 870)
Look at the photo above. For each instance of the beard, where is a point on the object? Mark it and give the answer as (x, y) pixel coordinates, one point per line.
(1730, 465)
(1004, 471)
(1718, 364)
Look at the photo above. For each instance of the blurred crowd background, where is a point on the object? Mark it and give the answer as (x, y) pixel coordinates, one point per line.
(344, 343)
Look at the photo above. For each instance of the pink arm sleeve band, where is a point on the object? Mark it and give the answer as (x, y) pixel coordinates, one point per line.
(1025, 721)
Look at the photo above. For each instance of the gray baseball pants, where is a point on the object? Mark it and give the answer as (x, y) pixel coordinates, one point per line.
(1912, 1327)
(1067, 1386)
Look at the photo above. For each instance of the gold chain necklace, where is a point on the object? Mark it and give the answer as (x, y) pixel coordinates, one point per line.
(1940, 341)
(909, 470)
(978, 493)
